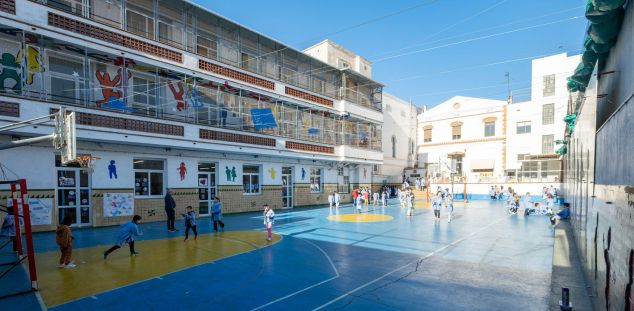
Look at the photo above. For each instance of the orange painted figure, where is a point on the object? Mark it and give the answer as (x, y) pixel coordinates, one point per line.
(108, 87)
(178, 95)
(182, 170)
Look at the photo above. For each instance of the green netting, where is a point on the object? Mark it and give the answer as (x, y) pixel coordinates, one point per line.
(598, 48)
(595, 15)
(607, 31)
(607, 5)
(570, 118)
(562, 150)
(561, 142)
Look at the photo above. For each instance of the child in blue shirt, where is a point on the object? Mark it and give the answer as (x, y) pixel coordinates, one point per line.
(190, 222)
(127, 232)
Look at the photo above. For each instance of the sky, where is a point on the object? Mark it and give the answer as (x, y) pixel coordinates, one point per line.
(427, 50)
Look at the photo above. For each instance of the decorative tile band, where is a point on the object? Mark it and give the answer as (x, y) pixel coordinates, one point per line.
(234, 74)
(309, 147)
(9, 109)
(112, 37)
(309, 97)
(236, 138)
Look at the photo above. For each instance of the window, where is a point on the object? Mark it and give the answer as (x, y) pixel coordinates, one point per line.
(523, 127)
(427, 135)
(139, 17)
(343, 180)
(456, 132)
(66, 78)
(143, 94)
(522, 157)
(548, 114)
(315, 180)
(489, 129)
(251, 179)
(548, 144)
(149, 177)
(376, 168)
(393, 146)
(549, 85)
(343, 64)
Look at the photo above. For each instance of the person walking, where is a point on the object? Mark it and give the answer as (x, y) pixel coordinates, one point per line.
(375, 199)
(384, 198)
(190, 222)
(449, 206)
(64, 239)
(127, 233)
(170, 210)
(409, 197)
(437, 204)
(331, 200)
(269, 219)
(337, 199)
(216, 214)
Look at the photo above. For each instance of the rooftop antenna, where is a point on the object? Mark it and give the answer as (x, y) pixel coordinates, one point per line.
(509, 99)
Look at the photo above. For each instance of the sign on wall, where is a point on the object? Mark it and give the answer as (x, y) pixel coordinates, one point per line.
(118, 204)
(40, 210)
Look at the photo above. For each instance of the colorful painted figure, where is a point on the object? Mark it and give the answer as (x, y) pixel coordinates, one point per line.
(182, 170)
(228, 172)
(181, 104)
(32, 63)
(108, 88)
(233, 174)
(303, 173)
(10, 71)
(112, 169)
(272, 172)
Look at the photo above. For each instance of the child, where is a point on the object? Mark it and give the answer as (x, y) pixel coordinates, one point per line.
(410, 204)
(366, 198)
(8, 228)
(190, 222)
(449, 206)
(64, 238)
(337, 199)
(269, 218)
(216, 214)
(331, 200)
(437, 204)
(127, 232)
(384, 198)
(375, 199)
(359, 203)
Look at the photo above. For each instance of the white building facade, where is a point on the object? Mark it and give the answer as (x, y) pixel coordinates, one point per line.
(172, 96)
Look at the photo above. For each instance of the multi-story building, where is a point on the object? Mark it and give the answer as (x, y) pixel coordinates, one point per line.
(399, 116)
(172, 96)
(490, 141)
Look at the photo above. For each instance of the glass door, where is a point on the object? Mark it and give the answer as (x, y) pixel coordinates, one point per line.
(287, 187)
(74, 195)
(206, 187)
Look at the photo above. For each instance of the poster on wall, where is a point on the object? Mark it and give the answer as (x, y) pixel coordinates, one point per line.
(118, 204)
(40, 210)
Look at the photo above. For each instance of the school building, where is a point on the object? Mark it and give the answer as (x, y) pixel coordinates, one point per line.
(170, 95)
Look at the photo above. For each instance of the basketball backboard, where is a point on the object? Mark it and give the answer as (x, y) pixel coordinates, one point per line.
(65, 140)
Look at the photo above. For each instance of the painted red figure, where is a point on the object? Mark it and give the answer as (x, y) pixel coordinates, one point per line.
(178, 96)
(108, 86)
(182, 170)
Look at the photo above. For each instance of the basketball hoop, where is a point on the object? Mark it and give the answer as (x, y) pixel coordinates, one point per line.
(87, 163)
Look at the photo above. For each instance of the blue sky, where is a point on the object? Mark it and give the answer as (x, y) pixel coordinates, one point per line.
(420, 52)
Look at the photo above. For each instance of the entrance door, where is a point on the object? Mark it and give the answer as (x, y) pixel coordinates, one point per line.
(287, 187)
(206, 187)
(74, 195)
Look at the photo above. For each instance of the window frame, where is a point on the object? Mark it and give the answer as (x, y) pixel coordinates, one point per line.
(551, 147)
(548, 86)
(425, 138)
(523, 126)
(149, 173)
(550, 119)
(487, 126)
(453, 130)
(320, 175)
(251, 175)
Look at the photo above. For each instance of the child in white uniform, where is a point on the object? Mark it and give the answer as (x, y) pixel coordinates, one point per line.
(449, 206)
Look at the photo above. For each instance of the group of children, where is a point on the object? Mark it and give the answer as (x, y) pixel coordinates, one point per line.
(361, 198)
(442, 197)
(406, 198)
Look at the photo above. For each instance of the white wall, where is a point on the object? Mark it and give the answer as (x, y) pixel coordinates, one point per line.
(399, 120)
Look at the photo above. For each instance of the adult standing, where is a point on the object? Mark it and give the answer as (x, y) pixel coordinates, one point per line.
(170, 210)
(216, 214)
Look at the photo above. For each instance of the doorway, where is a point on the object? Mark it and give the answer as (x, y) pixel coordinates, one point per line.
(207, 187)
(73, 195)
(287, 187)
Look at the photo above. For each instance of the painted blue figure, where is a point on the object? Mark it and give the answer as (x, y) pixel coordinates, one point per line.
(117, 103)
(303, 173)
(112, 169)
(233, 174)
(228, 172)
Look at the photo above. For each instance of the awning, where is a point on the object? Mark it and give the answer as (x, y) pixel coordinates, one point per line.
(482, 164)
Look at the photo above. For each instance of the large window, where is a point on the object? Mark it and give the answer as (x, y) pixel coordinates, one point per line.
(456, 132)
(343, 180)
(548, 114)
(66, 78)
(548, 144)
(251, 179)
(143, 99)
(316, 183)
(427, 135)
(489, 129)
(523, 127)
(549, 85)
(149, 178)
(140, 17)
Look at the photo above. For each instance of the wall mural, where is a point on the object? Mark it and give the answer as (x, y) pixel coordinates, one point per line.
(110, 88)
(231, 173)
(272, 172)
(182, 171)
(33, 63)
(303, 173)
(112, 169)
(10, 72)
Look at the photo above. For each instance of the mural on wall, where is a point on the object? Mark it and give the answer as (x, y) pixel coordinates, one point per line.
(272, 172)
(40, 210)
(182, 171)
(10, 67)
(112, 169)
(33, 63)
(181, 104)
(118, 204)
(110, 88)
(303, 173)
(231, 173)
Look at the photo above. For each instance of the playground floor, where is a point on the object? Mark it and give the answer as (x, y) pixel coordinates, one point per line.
(319, 259)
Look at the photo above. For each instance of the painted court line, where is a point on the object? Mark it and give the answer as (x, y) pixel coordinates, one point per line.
(409, 264)
(309, 287)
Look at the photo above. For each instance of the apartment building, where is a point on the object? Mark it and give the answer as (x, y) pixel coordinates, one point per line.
(170, 95)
